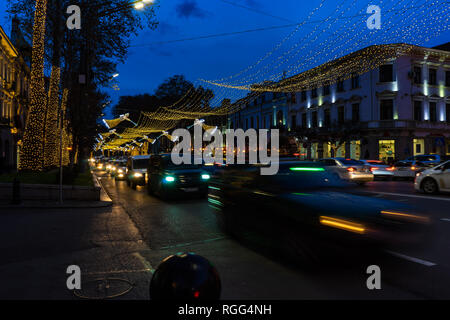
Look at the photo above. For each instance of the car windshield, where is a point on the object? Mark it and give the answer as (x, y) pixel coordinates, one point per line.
(379, 163)
(184, 166)
(402, 164)
(291, 178)
(426, 158)
(351, 162)
(140, 163)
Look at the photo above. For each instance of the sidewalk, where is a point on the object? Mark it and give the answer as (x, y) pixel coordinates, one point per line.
(105, 201)
(37, 246)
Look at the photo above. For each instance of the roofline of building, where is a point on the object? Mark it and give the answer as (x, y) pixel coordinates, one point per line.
(5, 38)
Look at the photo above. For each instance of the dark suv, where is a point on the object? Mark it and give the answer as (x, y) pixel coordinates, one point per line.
(167, 179)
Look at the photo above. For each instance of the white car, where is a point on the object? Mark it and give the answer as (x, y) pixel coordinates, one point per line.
(348, 169)
(434, 180)
(136, 170)
(380, 169)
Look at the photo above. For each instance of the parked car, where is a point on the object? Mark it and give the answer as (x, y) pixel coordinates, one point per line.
(168, 180)
(380, 169)
(306, 211)
(408, 170)
(434, 180)
(429, 159)
(136, 170)
(348, 169)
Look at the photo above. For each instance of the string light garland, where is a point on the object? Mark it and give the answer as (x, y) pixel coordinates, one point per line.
(51, 152)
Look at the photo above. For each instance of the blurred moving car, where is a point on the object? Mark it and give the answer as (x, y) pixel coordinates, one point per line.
(167, 179)
(136, 170)
(427, 159)
(348, 169)
(434, 180)
(408, 170)
(379, 169)
(305, 210)
(119, 170)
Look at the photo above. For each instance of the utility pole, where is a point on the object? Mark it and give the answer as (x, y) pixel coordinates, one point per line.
(61, 128)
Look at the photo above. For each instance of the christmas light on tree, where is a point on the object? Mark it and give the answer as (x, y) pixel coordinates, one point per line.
(32, 153)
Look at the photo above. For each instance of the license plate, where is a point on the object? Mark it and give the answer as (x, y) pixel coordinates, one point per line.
(190, 189)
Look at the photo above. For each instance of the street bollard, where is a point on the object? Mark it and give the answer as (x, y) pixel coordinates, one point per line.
(185, 277)
(16, 192)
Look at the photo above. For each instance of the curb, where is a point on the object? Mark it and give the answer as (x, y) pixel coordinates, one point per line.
(99, 204)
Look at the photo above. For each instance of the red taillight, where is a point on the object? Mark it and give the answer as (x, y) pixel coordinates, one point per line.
(373, 169)
(413, 168)
(390, 169)
(351, 169)
(296, 154)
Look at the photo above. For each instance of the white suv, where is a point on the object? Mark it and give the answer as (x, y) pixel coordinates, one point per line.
(436, 179)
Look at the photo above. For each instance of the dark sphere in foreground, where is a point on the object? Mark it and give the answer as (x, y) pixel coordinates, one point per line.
(185, 276)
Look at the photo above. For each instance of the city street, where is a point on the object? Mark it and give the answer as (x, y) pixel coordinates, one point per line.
(189, 225)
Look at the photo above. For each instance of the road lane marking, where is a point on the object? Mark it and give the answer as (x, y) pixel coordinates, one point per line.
(192, 243)
(412, 259)
(144, 261)
(409, 195)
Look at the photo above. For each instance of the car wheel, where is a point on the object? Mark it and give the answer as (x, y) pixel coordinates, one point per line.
(300, 249)
(429, 186)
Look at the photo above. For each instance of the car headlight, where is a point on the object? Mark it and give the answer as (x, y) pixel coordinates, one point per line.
(418, 174)
(138, 175)
(169, 179)
(113, 168)
(206, 176)
(120, 171)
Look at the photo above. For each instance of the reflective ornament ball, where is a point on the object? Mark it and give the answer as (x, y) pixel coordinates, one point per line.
(185, 276)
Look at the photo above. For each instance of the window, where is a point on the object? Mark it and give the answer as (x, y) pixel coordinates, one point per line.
(341, 114)
(314, 119)
(417, 75)
(432, 76)
(355, 81)
(314, 93)
(447, 78)
(355, 112)
(251, 122)
(447, 112)
(327, 118)
(303, 96)
(340, 85)
(418, 110)
(419, 146)
(246, 123)
(304, 120)
(326, 90)
(293, 98)
(386, 150)
(433, 115)
(386, 109)
(387, 73)
(294, 121)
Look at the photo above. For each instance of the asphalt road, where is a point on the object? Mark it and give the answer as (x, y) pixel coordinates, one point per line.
(189, 225)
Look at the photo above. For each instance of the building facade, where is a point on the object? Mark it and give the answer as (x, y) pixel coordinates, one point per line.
(400, 109)
(14, 81)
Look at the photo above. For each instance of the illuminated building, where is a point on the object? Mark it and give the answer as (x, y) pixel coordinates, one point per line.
(14, 82)
(397, 109)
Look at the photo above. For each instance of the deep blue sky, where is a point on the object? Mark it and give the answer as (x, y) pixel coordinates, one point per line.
(149, 62)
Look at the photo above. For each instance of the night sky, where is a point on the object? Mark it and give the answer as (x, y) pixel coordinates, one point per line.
(153, 58)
